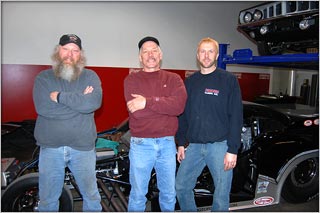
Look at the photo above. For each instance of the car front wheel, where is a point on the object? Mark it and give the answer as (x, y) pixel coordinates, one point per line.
(22, 196)
(302, 184)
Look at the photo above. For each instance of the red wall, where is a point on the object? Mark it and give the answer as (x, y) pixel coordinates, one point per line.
(17, 83)
(253, 84)
(16, 94)
(16, 91)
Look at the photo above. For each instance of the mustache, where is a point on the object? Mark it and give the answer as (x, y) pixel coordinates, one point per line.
(68, 58)
(151, 58)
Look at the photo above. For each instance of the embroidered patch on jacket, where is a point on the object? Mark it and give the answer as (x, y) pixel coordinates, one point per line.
(211, 92)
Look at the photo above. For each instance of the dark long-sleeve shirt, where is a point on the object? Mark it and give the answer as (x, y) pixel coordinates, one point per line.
(70, 122)
(213, 111)
(165, 95)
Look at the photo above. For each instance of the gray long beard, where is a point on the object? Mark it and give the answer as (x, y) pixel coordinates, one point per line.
(68, 73)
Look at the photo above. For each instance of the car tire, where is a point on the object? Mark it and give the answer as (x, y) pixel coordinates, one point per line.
(22, 196)
(302, 184)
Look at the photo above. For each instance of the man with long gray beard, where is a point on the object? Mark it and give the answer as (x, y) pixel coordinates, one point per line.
(65, 98)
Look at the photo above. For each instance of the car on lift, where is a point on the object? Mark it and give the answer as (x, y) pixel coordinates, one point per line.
(282, 26)
(278, 157)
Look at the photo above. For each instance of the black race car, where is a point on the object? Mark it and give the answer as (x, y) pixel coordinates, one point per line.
(282, 26)
(279, 157)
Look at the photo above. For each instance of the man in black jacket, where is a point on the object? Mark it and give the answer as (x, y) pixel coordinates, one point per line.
(211, 124)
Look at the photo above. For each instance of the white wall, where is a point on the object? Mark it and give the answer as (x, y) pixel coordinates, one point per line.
(110, 31)
(280, 80)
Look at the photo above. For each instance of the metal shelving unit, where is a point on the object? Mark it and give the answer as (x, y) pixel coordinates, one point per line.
(244, 56)
(308, 61)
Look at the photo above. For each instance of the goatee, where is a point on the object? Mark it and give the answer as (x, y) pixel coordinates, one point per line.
(209, 65)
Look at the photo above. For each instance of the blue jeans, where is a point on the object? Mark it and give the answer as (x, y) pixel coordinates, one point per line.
(146, 154)
(52, 163)
(197, 157)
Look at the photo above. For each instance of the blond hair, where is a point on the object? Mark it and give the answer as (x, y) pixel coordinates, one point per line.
(209, 40)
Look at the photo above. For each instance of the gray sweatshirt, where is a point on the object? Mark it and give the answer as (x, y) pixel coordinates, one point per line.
(70, 122)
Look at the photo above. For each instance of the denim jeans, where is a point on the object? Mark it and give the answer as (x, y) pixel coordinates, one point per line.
(197, 156)
(52, 163)
(146, 154)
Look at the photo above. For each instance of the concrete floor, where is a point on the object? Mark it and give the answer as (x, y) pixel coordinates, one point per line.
(283, 206)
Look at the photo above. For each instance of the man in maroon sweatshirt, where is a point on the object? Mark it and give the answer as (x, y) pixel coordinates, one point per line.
(155, 98)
